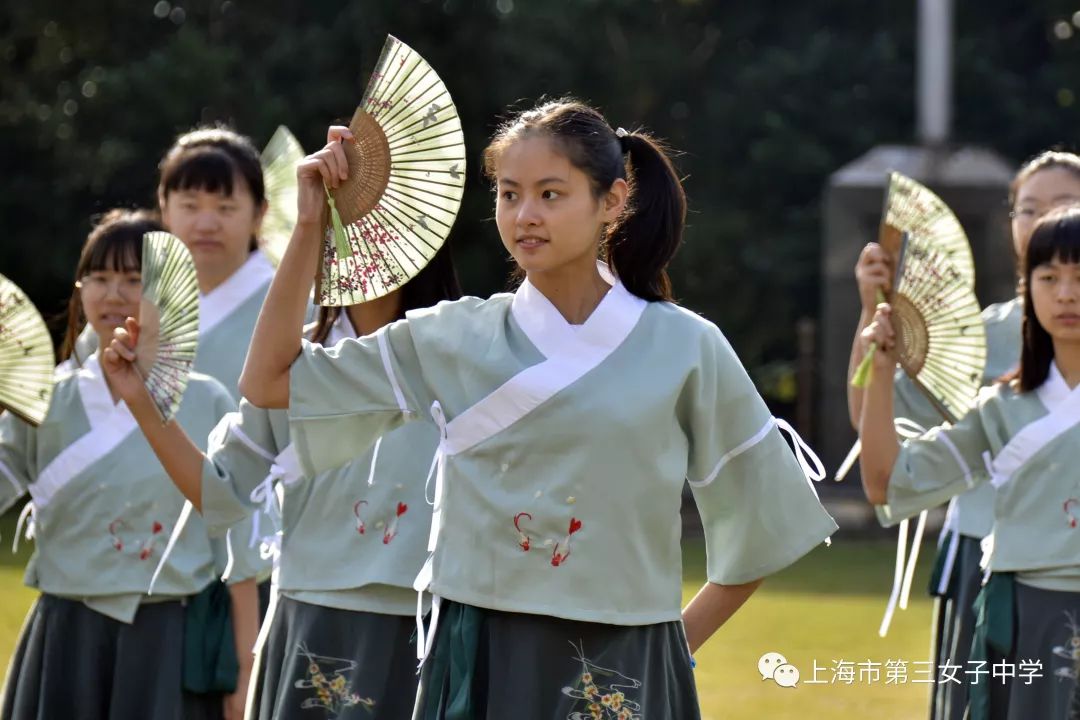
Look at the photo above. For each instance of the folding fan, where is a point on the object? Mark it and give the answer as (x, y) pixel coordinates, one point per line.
(26, 356)
(406, 177)
(168, 320)
(279, 160)
(941, 343)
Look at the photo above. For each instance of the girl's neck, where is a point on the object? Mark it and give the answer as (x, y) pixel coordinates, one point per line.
(211, 278)
(368, 317)
(575, 290)
(1067, 359)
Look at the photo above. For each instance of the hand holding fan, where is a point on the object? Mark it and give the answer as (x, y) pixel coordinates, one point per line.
(406, 177)
(279, 160)
(26, 356)
(941, 343)
(168, 320)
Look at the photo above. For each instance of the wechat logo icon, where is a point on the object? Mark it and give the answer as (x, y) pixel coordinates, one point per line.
(774, 666)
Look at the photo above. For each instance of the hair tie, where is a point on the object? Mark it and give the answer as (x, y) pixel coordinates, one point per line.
(623, 136)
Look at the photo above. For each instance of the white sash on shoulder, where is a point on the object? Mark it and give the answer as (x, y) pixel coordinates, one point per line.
(1064, 414)
(570, 352)
(220, 302)
(110, 425)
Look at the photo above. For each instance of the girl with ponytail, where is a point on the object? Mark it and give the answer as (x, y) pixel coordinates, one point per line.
(570, 412)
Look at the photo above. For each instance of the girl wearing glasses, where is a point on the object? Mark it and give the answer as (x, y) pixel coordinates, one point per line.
(95, 645)
(1049, 180)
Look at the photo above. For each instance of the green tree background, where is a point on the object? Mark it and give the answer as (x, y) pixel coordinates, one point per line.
(764, 100)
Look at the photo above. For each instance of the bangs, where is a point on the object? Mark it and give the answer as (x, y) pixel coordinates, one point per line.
(119, 250)
(1056, 237)
(116, 243)
(200, 168)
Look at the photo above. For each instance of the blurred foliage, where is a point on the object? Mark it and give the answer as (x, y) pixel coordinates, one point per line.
(763, 99)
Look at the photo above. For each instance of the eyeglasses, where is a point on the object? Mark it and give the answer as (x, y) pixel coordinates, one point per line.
(1031, 214)
(1026, 214)
(96, 287)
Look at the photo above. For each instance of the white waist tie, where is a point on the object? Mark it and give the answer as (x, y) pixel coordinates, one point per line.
(904, 571)
(425, 639)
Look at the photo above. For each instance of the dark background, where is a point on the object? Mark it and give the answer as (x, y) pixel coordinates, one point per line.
(764, 99)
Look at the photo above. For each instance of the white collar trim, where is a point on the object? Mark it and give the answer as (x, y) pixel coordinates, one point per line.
(110, 425)
(552, 335)
(96, 399)
(1063, 414)
(220, 302)
(1054, 390)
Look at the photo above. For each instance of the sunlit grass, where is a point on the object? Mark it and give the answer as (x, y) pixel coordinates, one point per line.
(827, 608)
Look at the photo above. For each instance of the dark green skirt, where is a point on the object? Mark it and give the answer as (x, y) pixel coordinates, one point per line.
(74, 662)
(320, 663)
(954, 622)
(1023, 626)
(491, 665)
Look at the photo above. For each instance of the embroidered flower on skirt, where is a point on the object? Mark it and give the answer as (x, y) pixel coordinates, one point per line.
(601, 693)
(331, 686)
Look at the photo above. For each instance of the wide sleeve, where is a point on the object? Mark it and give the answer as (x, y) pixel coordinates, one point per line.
(240, 456)
(932, 468)
(910, 403)
(237, 555)
(17, 449)
(758, 509)
(343, 398)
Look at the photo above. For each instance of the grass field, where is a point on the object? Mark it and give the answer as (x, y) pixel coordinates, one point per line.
(826, 608)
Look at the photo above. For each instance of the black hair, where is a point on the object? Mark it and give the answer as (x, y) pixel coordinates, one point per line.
(115, 243)
(640, 243)
(210, 159)
(1056, 237)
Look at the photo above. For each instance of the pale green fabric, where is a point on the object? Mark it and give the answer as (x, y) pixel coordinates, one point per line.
(610, 451)
(1033, 536)
(90, 534)
(973, 511)
(325, 560)
(221, 355)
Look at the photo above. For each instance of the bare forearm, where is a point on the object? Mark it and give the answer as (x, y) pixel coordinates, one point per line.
(180, 457)
(276, 341)
(854, 394)
(711, 608)
(245, 615)
(878, 436)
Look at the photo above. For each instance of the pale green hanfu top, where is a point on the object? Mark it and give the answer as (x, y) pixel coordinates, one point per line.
(103, 507)
(1026, 446)
(353, 537)
(564, 451)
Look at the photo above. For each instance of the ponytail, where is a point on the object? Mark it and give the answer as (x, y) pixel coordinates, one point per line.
(642, 241)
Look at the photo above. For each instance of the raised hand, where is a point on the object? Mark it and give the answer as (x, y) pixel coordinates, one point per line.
(325, 168)
(873, 273)
(880, 333)
(119, 363)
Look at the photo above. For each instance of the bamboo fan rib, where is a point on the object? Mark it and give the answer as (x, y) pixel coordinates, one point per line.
(279, 160)
(406, 178)
(941, 342)
(168, 320)
(913, 209)
(26, 356)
